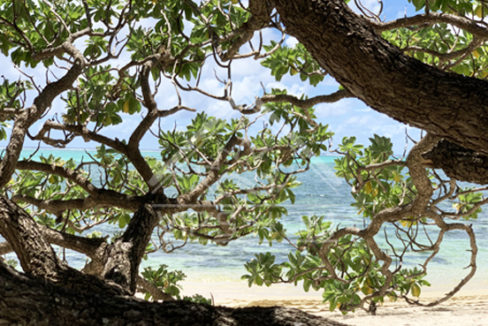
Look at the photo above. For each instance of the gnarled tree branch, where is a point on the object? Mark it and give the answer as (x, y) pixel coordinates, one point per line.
(347, 46)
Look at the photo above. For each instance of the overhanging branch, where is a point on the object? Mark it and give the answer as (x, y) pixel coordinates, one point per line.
(458, 162)
(476, 28)
(348, 47)
(106, 198)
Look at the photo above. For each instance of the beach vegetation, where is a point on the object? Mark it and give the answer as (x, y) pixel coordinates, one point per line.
(111, 75)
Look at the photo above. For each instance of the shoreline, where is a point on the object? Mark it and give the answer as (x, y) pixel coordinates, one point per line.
(228, 285)
(468, 307)
(458, 311)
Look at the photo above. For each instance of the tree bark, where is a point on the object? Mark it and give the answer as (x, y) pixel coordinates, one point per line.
(36, 256)
(29, 116)
(445, 104)
(51, 293)
(121, 259)
(27, 301)
(458, 162)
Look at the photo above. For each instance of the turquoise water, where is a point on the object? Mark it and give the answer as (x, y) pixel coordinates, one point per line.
(321, 193)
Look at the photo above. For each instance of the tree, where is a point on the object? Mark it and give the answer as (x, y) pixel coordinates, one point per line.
(102, 66)
(433, 60)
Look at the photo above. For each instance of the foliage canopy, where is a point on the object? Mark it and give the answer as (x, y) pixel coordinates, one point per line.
(86, 67)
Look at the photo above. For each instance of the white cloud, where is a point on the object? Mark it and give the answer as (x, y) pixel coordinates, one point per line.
(8, 69)
(166, 97)
(219, 109)
(358, 120)
(340, 108)
(246, 89)
(212, 86)
(291, 42)
(249, 67)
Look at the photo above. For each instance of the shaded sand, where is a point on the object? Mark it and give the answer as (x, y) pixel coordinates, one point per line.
(469, 307)
(472, 311)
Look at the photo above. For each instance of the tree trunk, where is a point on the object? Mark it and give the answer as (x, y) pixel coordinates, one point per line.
(445, 104)
(28, 301)
(51, 293)
(36, 256)
(121, 259)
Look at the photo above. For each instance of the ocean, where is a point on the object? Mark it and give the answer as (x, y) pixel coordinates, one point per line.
(321, 193)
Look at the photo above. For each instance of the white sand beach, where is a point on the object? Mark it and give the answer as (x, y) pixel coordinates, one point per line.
(469, 307)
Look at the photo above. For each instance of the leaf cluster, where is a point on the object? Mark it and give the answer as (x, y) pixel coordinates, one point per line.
(167, 281)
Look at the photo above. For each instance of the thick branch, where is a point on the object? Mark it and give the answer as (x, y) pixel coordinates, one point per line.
(105, 198)
(69, 174)
(132, 152)
(5, 248)
(419, 175)
(151, 106)
(35, 255)
(260, 16)
(98, 197)
(120, 261)
(213, 174)
(432, 18)
(87, 246)
(346, 45)
(83, 132)
(8, 114)
(155, 292)
(32, 114)
(458, 162)
(50, 304)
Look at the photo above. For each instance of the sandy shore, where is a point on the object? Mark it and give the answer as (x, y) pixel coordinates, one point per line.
(469, 307)
(463, 310)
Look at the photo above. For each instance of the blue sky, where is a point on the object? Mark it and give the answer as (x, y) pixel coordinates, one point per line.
(348, 117)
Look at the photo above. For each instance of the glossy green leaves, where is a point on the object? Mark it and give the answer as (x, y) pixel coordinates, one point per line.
(293, 61)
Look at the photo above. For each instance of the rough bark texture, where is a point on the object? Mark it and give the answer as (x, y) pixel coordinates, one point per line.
(122, 258)
(51, 293)
(445, 104)
(19, 229)
(26, 301)
(37, 257)
(459, 163)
